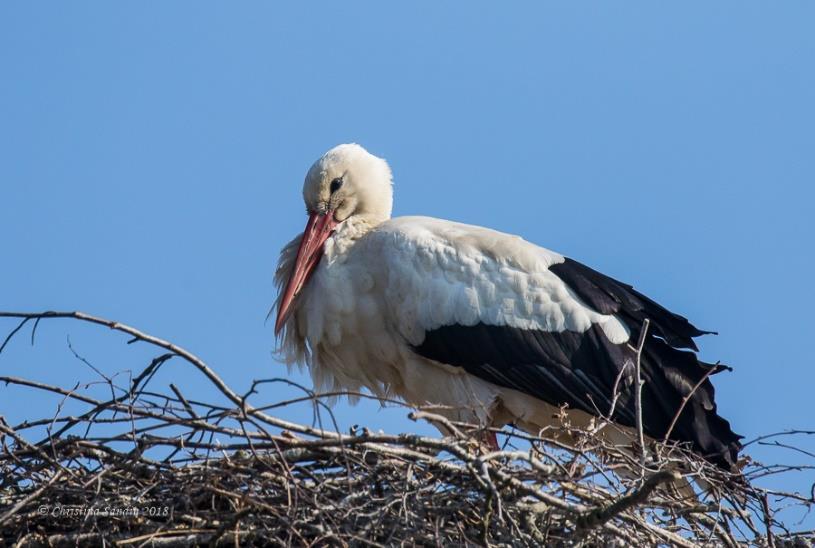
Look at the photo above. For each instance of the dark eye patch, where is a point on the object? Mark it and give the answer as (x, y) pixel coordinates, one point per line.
(336, 184)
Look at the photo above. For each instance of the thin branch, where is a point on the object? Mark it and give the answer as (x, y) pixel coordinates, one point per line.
(230, 473)
(685, 400)
(638, 394)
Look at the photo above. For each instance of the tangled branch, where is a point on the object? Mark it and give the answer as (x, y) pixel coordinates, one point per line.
(158, 467)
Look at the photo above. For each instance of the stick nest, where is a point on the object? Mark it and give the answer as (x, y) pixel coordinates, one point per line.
(155, 467)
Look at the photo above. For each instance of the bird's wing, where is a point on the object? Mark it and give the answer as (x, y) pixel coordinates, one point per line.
(526, 318)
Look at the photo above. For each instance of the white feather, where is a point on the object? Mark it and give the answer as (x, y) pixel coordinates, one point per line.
(379, 289)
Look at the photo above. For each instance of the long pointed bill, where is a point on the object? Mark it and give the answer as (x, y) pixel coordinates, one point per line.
(318, 229)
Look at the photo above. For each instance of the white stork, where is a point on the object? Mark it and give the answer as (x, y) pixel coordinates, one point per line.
(495, 329)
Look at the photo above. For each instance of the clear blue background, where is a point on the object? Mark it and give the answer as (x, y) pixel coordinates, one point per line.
(152, 155)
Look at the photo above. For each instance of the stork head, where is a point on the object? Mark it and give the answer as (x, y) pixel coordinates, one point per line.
(345, 182)
(348, 180)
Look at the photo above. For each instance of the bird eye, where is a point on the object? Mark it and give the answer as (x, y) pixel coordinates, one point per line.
(336, 184)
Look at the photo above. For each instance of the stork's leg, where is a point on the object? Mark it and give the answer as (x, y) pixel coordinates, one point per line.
(490, 440)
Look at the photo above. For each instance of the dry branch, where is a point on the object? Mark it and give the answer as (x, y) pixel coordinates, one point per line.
(150, 467)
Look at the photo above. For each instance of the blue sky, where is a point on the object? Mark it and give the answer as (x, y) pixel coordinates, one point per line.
(152, 156)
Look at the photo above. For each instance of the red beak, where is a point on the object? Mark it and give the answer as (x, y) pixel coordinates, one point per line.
(319, 228)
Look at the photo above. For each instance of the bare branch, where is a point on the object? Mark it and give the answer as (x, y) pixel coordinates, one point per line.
(229, 473)
(638, 394)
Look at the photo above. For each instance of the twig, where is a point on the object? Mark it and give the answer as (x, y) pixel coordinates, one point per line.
(231, 473)
(6, 517)
(638, 394)
(685, 400)
(599, 516)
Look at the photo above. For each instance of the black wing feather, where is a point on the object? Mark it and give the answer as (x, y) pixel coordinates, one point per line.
(608, 296)
(579, 369)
